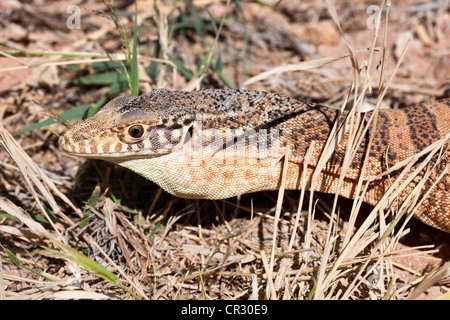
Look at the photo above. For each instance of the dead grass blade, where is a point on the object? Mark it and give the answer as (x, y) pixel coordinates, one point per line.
(35, 178)
(305, 65)
(435, 276)
(271, 293)
(35, 227)
(67, 252)
(404, 178)
(353, 244)
(2, 287)
(306, 160)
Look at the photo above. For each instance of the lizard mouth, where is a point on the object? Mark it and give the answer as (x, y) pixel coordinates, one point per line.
(105, 151)
(74, 149)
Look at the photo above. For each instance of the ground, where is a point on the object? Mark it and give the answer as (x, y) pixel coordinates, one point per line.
(162, 247)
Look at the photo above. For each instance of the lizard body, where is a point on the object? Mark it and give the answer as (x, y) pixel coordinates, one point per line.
(216, 144)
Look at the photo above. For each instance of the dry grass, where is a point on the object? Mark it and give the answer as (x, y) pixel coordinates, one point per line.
(114, 243)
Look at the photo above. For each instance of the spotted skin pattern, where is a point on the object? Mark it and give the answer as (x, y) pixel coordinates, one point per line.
(215, 144)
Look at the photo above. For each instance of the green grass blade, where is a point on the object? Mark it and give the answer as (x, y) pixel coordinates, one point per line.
(181, 68)
(24, 53)
(207, 58)
(205, 296)
(217, 68)
(93, 199)
(105, 66)
(134, 59)
(152, 69)
(198, 22)
(19, 264)
(74, 113)
(155, 227)
(79, 258)
(92, 202)
(101, 78)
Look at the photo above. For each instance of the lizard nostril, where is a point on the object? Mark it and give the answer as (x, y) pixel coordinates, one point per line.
(62, 141)
(86, 137)
(65, 144)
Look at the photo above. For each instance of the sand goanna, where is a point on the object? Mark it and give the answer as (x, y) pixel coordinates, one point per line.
(216, 144)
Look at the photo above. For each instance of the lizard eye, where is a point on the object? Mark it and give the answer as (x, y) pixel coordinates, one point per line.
(136, 131)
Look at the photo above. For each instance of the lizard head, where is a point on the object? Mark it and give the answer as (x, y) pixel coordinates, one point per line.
(127, 127)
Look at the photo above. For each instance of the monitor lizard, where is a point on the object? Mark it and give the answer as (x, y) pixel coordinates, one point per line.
(216, 144)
